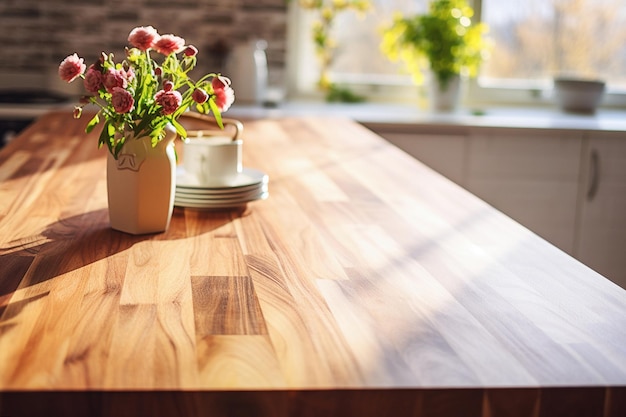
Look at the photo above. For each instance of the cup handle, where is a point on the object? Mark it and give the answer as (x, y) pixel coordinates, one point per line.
(236, 124)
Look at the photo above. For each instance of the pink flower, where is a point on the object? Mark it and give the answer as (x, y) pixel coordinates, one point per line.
(71, 67)
(191, 51)
(224, 95)
(115, 78)
(199, 96)
(122, 101)
(143, 37)
(169, 44)
(93, 79)
(168, 85)
(170, 101)
(129, 74)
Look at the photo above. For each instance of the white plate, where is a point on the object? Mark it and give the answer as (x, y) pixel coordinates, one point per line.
(236, 199)
(219, 201)
(249, 177)
(221, 204)
(247, 193)
(217, 192)
(193, 193)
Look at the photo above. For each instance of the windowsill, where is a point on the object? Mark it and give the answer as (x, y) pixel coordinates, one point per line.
(403, 115)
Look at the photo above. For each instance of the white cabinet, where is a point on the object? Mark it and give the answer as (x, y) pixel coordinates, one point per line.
(532, 177)
(444, 153)
(567, 186)
(601, 240)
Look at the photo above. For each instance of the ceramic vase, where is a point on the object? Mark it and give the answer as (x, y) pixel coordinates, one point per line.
(141, 184)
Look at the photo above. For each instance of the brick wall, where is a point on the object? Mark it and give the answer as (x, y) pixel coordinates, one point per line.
(36, 35)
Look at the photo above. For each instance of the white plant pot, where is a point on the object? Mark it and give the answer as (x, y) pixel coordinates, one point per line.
(445, 98)
(141, 185)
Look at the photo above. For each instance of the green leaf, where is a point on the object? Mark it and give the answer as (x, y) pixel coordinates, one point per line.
(204, 108)
(92, 123)
(145, 122)
(111, 131)
(216, 112)
(104, 135)
(118, 148)
(107, 136)
(179, 128)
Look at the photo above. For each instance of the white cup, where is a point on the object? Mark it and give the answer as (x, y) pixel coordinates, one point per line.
(215, 160)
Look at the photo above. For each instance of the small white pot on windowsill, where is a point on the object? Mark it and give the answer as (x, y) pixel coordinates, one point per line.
(445, 98)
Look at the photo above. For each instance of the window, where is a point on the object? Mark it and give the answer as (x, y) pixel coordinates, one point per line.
(534, 40)
(358, 60)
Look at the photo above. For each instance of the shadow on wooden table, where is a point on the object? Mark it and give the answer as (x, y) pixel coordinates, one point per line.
(75, 242)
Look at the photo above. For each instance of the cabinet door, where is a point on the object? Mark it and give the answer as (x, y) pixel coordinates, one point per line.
(443, 153)
(601, 243)
(532, 176)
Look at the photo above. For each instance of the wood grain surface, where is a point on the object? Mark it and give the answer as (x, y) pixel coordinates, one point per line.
(365, 285)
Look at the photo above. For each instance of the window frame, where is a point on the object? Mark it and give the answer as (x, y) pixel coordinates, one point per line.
(478, 92)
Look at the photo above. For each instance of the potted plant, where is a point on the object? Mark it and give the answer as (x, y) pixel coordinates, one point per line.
(139, 100)
(444, 41)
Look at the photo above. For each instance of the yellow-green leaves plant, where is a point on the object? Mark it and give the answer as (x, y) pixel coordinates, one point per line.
(321, 32)
(444, 40)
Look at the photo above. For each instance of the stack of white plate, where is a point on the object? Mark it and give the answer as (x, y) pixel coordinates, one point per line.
(249, 186)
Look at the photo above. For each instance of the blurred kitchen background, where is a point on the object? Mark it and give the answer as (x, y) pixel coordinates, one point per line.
(36, 35)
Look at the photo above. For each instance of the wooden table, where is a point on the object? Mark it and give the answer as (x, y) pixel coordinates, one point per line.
(366, 285)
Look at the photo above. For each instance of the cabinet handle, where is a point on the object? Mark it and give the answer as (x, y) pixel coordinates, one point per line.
(594, 180)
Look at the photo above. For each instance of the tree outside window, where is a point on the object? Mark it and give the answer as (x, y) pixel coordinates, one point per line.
(534, 41)
(539, 39)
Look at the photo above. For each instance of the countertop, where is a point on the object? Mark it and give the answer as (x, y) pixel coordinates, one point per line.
(366, 284)
(385, 116)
